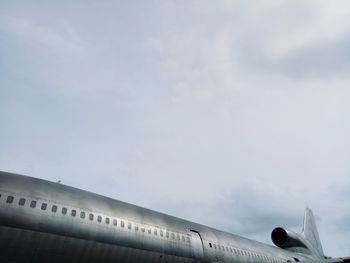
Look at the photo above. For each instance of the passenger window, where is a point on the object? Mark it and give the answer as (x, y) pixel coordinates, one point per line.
(155, 232)
(210, 245)
(149, 231)
(43, 206)
(178, 237)
(167, 234)
(91, 217)
(33, 204)
(188, 240)
(99, 219)
(122, 223)
(136, 228)
(73, 213)
(115, 222)
(9, 199)
(142, 229)
(183, 239)
(227, 249)
(172, 235)
(107, 220)
(54, 208)
(231, 250)
(129, 225)
(161, 233)
(82, 215)
(22, 201)
(64, 211)
(215, 246)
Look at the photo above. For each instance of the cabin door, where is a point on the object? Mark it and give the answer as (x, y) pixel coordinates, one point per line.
(196, 245)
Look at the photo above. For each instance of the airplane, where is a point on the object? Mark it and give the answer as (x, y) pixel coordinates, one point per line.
(42, 221)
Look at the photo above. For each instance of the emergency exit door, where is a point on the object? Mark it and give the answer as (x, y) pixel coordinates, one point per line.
(196, 245)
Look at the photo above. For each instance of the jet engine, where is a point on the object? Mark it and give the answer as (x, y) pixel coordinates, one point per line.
(286, 239)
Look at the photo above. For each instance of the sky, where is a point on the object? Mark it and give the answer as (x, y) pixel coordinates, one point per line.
(232, 114)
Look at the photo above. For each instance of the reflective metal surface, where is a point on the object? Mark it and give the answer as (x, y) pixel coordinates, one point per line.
(71, 225)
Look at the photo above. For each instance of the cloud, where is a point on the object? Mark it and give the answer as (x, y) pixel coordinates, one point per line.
(325, 59)
(234, 115)
(42, 37)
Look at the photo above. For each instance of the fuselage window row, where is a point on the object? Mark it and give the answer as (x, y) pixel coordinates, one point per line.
(244, 253)
(73, 213)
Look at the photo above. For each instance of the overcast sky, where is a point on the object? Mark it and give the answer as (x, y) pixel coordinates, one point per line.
(233, 114)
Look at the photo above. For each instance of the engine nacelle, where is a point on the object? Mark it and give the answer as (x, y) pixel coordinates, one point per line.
(286, 239)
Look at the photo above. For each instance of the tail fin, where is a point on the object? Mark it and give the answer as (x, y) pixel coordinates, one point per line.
(310, 232)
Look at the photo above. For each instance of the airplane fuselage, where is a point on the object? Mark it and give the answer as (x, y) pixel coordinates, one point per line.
(41, 221)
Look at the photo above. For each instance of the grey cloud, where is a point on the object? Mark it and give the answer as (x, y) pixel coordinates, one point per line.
(320, 60)
(182, 107)
(255, 210)
(343, 224)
